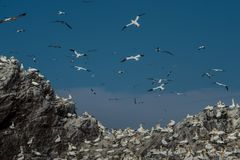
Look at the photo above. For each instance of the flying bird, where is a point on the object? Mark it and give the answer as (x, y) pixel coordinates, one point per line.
(217, 70)
(120, 72)
(20, 30)
(221, 84)
(169, 73)
(159, 50)
(207, 75)
(159, 81)
(10, 19)
(93, 91)
(202, 47)
(160, 87)
(82, 68)
(77, 54)
(54, 46)
(133, 22)
(63, 22)
(61, 13)
(136, 58)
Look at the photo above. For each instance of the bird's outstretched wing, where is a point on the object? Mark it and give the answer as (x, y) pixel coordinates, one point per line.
(63, 22)
(124, 28)
(168, 52)
(72, 50)
(123, 60)
(21, 15)
(226, 88)
(150, 90)
(70, 27)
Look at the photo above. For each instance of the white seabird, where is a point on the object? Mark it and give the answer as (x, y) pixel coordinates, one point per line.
(77, 53)
(20, 30)
(81, 68)
(207, 74)
(30, 141)
(133, 22)
(10, 19)
(120, 72)
(202, 47)
(221, 84)
(217, 70)
(136, 58)
(159, 81)
(12, 126)
(161, 87)
(58, 139)
(61, 13)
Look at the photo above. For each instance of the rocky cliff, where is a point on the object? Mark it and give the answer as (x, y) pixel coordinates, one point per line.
(37, 124)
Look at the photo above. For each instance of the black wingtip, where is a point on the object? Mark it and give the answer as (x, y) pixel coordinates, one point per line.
(227, 88)
(142, 14)
(123, 60)
(23, 14)
(150, 90)
(124, 28)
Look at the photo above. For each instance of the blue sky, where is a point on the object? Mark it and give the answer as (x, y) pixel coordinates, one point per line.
(177, 26)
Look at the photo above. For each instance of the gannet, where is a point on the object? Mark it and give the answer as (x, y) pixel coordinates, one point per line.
(159, 81)
(61, 13)
(207, 74)
(63, 22)
(10, 19)
(120, 71)
(58, 139)
(93, 91)
(36, 153)
(35, 83)
(221, 84)
(12, 126)
(133, 22)
(171, 123)
(161, 87)
(20, 30)
(217, 70)
(87, 142)
(201, 47)
(77, 53)
(30, 141)
(81, 68)
(136, 58)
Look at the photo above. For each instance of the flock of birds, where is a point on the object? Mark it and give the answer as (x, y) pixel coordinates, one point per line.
(159, 83)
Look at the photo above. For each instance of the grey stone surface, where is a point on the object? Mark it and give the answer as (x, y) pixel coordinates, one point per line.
(30, 109)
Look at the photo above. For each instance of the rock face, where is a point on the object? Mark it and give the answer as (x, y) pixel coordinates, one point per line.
(32, 117)
(37, 124)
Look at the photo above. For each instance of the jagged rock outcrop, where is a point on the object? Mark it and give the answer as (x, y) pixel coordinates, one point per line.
(32, 117)
(36, 124)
